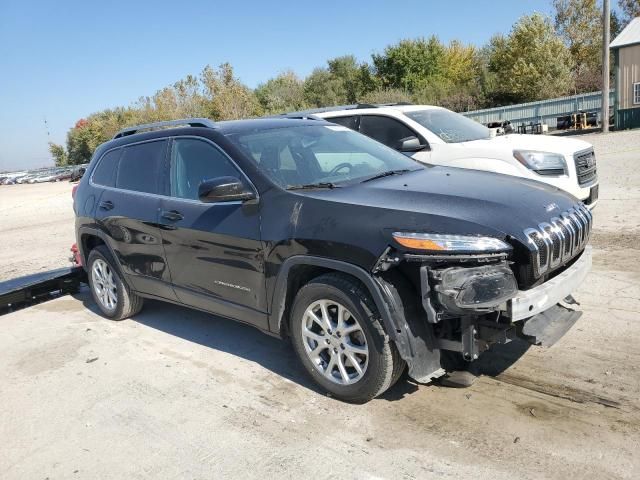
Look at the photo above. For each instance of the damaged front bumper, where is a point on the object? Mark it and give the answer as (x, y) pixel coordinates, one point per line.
(541, 298)
(461, 317)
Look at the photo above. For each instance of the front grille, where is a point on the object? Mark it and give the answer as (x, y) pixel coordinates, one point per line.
(556, 242)
(585, 167)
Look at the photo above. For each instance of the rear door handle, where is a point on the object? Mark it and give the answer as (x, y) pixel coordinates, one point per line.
(172, 215)
(106, 205)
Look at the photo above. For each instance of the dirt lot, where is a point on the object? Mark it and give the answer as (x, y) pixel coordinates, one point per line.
(36, 228)
(178, 394)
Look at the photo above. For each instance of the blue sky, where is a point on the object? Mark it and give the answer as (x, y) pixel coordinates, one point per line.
(64, 60)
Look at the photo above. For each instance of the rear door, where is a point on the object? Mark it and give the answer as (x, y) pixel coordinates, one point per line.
(128, 211)
(213, 250)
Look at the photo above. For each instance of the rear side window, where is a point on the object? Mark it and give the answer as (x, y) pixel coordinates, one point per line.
(385, 130)
(140, 166)
(349, 122)
(105, 173)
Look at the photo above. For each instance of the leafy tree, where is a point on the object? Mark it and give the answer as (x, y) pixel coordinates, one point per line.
(322, 88)
(82, 140)
(579, 23)
(532, 63)
(630, 10)
(460, 64)
(226, 97)
(59, 154)
(283, 93)
(407, 64)
(356, 79)
(343, 81)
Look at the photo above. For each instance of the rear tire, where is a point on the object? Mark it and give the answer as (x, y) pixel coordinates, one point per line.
(113, 297)
(351, 355)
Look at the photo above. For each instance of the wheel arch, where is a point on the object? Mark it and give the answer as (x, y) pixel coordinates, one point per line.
(89, 238)
(300, 269)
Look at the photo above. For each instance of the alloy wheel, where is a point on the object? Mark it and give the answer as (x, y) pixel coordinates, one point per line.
(335, 342)
(104, 285)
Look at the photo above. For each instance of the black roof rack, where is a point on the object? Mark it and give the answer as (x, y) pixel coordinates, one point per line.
(191, 122)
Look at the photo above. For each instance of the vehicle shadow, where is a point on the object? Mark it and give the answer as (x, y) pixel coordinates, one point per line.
(276, 355)
(499, 358)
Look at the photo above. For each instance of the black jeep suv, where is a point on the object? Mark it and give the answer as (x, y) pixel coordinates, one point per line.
(368, 261)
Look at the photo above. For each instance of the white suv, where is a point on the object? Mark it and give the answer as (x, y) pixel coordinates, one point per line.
(439, 136)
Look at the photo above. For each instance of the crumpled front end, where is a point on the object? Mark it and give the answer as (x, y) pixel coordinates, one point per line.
(468, 302)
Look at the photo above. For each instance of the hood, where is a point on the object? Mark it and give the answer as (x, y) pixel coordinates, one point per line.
(543, 143)
(455, 201)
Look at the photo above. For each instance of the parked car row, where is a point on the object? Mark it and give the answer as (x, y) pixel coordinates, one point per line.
(72, 173)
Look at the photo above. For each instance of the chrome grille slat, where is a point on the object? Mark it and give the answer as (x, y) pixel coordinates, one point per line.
(572, 233)
(559, 240)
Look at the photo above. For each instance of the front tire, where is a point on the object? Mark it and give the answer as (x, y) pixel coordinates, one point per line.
(338, 336)
(113, 297)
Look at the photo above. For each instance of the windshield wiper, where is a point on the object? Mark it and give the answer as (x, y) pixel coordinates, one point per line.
(310, 186)
(388, 173)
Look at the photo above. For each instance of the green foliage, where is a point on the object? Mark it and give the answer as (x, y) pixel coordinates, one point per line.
(579, 23)
(225, 97)
(355, 79)
(532, 63)
(59, 154)
(282, 93)
(386, 95)
(344, 81)
(630, 10)
(535, 61)
(409, 63)
(322, 88)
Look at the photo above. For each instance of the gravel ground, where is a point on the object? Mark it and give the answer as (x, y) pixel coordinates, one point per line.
(37, 228)
(175, 393)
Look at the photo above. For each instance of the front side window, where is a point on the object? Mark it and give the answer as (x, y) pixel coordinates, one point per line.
(386, 130)
(192, 162)
(140, 166)
(449, 126)
(636, 93)
(313, 154)
(105, 173)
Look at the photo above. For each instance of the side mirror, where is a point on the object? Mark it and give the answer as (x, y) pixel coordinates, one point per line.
(411, 144)
(224, 189)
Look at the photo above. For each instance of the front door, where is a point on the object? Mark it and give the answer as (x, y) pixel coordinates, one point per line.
(213, 250)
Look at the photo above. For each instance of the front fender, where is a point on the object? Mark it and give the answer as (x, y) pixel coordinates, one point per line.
(279, 298)
(400, 314)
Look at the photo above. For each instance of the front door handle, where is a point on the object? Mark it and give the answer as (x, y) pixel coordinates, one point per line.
(106, 205)
(172, 215)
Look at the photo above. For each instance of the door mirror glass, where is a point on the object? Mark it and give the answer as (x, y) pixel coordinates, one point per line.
(224, 189)
(411, 144)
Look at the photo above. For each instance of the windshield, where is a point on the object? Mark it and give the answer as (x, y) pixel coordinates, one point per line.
(449, 126)
(325, 155)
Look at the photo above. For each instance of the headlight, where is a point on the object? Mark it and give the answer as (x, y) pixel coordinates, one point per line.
(483, 287)
(543, 163)
(433, 242)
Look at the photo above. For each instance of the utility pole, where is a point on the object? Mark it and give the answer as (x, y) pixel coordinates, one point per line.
(606, 17)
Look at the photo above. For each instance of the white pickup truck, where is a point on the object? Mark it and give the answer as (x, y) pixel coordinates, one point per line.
(439, 136)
